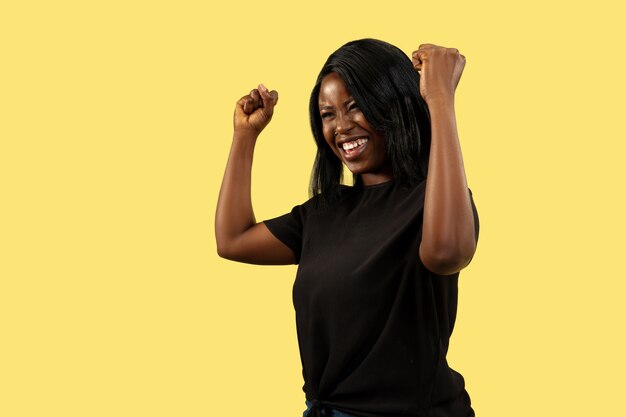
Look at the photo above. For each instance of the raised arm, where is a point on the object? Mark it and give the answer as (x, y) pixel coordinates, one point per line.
(448, 235)
(239, 237)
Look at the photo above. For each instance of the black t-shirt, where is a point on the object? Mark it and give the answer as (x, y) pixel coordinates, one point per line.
(373, 323)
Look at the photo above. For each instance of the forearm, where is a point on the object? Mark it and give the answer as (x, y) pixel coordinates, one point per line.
(234, 213)
(448, 230)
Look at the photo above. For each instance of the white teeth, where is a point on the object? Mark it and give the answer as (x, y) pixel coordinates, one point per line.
(354, 143)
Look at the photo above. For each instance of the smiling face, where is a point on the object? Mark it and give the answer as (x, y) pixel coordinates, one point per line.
(355, 142)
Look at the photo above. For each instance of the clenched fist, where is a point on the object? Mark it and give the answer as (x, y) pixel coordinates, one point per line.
(440, 71)
(254, 111)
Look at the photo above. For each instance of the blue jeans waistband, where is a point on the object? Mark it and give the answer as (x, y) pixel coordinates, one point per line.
(328, 412)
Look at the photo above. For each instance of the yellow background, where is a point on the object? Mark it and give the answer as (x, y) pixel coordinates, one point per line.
(116, 121)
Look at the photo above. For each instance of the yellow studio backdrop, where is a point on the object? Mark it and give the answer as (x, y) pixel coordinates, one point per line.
(115, 127)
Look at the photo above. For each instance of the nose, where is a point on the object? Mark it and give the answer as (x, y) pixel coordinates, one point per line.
(344, 124)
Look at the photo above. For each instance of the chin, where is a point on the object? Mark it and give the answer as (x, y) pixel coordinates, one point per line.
(358, 170)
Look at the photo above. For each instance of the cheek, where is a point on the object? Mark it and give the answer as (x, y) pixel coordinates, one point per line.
(335, 151)
(328, 133)
(381, 149)
(330, 139)
(332, 148)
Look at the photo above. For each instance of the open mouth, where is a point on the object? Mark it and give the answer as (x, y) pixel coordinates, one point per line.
(354, 148)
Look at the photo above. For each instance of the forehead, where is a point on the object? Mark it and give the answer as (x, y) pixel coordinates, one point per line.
(333, 89)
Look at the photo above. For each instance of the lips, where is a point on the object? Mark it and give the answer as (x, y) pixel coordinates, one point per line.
(353, 147)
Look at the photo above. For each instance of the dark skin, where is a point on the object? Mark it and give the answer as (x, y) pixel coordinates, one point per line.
(448, 240)
(343, 123)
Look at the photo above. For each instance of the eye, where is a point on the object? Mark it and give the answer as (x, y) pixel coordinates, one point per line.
(353, 106)
(326, 115)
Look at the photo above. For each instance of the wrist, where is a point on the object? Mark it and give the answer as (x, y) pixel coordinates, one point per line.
(440, 103)
(242, 135)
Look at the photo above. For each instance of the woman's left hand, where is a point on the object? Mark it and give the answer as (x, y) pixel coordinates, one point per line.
(440, 71)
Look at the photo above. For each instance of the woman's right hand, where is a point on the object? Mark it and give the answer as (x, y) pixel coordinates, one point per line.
(254, 111)
(237, 234)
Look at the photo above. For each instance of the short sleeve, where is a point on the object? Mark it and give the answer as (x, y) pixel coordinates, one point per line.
(288, 229)
(476, 223)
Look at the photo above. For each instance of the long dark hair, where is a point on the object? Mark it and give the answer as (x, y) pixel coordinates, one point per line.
(385, 86)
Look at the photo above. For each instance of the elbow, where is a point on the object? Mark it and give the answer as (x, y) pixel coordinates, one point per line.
(224, 250)
(447, 260)
(230, 250)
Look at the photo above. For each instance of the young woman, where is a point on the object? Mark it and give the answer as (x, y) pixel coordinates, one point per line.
(378, 262)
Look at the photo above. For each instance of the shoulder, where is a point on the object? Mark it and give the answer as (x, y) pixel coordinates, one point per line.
(409, 195)
(320, 203)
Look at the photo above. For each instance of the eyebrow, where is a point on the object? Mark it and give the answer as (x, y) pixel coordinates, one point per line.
(329, 107)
